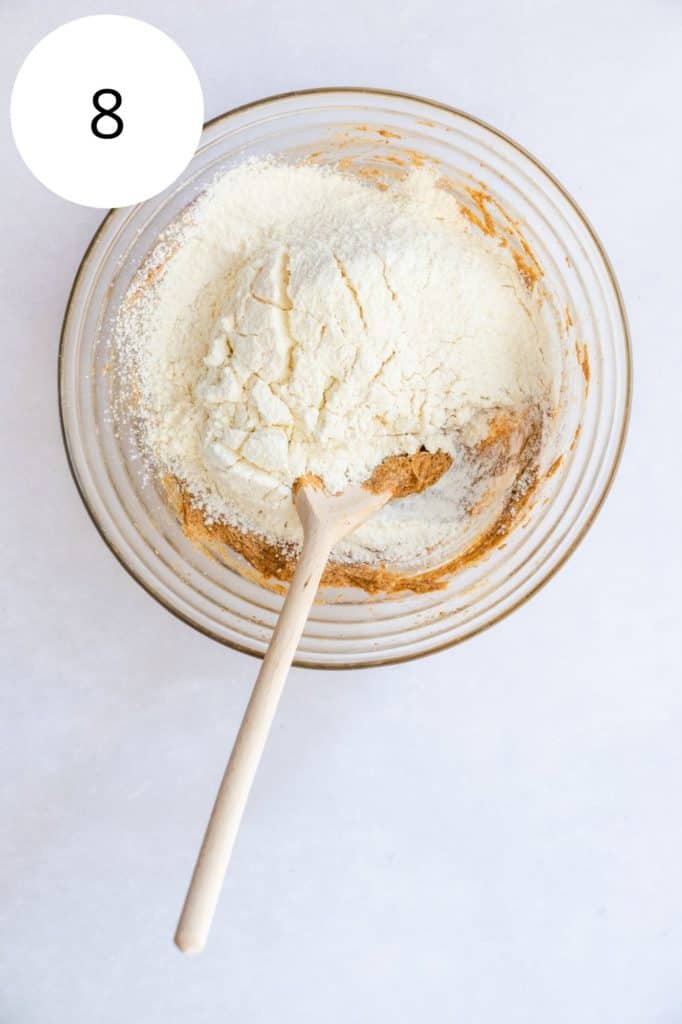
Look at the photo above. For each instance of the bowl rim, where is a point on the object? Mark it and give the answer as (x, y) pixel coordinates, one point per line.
(605, 488)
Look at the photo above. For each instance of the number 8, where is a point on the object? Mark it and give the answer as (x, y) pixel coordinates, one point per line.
(107, 112)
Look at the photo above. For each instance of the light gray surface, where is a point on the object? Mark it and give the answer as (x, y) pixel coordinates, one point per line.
(491, 835)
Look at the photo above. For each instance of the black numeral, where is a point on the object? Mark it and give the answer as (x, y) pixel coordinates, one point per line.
(107, 112)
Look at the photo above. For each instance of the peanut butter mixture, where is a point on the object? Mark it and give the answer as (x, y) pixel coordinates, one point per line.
(401, 475)
(275, 564)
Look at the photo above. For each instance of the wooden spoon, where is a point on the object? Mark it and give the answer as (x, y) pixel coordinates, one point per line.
(326, 519)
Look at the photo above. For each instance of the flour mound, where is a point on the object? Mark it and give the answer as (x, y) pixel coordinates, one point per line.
(307, 322)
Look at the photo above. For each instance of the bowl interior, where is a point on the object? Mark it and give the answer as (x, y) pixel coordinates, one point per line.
(584, 313)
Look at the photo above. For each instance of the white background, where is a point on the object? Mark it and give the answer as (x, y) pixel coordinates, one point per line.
(490, 835)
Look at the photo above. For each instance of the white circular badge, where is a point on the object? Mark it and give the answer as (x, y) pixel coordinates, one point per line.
(107, 111)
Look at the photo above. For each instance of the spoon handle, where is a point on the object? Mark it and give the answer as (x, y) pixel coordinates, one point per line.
(216, 849)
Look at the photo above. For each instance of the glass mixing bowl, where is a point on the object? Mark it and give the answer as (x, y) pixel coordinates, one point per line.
(349, 628)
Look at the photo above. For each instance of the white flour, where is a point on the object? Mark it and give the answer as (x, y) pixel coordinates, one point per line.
(310, 323)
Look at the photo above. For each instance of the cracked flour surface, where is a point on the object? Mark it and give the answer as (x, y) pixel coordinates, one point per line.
(302, 321)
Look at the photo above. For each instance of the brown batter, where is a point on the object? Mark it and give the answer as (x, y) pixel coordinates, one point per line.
(397, 475)
(275, 563)
(401, 475)
(583, 362)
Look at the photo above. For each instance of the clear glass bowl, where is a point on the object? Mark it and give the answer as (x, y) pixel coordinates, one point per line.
(349, 628)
